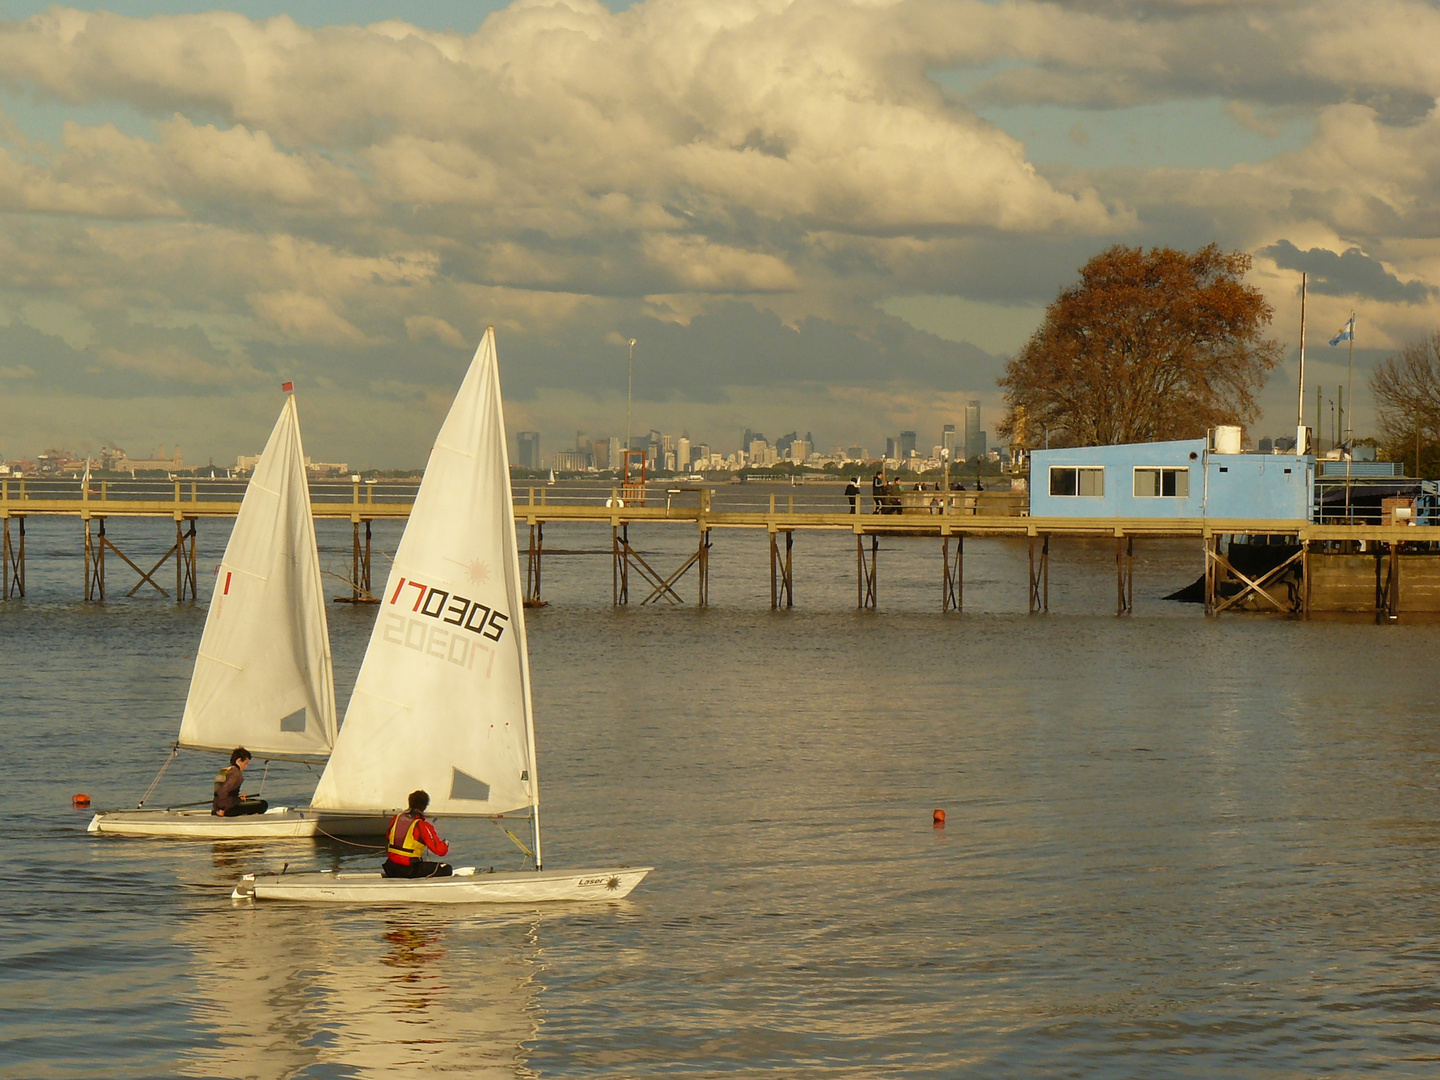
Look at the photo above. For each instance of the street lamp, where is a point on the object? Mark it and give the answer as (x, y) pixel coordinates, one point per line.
(629, 390)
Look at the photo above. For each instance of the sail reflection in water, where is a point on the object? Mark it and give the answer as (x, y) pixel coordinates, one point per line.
(368, 994)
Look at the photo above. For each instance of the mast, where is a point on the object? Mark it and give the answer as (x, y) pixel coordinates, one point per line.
(1350, 378)
(1300, 441)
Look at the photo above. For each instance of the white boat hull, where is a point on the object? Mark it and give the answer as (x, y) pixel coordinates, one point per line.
(466, 887)
(277, 823)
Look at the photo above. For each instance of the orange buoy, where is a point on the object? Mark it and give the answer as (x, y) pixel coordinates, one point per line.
(80, 802)
(939, 819)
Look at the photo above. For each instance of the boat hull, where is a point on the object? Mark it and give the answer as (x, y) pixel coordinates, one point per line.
(276, 824)
(466, 887)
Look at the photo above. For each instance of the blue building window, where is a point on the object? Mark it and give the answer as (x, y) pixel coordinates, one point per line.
(1077, 480)
(1156, 482)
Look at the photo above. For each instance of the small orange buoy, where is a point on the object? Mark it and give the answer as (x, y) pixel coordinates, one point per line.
(939, 819)
(80, 802)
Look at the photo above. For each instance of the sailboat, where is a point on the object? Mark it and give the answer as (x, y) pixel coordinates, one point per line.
(442, 701)
(262, 675)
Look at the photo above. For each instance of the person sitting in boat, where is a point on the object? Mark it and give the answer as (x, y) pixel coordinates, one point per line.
(406, 840)
(228, 800)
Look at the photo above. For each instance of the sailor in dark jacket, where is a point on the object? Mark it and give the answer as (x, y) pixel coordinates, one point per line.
(228, 801)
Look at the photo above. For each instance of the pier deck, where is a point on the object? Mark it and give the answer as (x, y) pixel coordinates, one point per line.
(949, 517)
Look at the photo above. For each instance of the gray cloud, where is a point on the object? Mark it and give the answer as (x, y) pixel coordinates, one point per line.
(351, 205)
(1348, 273)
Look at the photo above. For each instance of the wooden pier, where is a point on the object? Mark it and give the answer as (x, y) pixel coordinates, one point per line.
(948, 517)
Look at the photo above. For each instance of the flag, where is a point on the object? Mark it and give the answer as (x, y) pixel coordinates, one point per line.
(289, 387)
(1345, 333)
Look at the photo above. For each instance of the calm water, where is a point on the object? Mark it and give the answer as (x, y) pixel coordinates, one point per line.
(1175, 847)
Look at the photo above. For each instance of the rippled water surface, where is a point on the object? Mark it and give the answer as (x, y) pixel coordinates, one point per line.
(1175, 846)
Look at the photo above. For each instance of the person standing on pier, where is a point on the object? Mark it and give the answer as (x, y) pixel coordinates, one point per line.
(852, 492)
(407, 839)
(877, 491)
(228, 801)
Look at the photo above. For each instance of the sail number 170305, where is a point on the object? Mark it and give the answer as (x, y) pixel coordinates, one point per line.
(453, 608)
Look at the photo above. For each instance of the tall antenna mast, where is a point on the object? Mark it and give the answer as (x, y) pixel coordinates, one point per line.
(1300, 440)
(1350, 384)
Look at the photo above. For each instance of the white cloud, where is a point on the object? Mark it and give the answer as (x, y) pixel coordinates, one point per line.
(567, 170)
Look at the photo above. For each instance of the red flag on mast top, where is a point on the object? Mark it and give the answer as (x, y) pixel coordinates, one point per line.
(287, 387)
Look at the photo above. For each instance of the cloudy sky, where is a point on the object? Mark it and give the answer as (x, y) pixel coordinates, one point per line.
(823, 215)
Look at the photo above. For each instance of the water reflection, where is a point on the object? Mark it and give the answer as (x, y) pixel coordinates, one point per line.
(286, 991)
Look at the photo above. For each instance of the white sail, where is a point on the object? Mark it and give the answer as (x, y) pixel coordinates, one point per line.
(262, 677)
(442, 701)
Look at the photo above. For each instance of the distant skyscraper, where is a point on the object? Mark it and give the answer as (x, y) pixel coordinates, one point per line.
(600, 453)
(528, 449)
(682, 453)
(617, 445)
(947, 439)
(907, 444)
(974, 440)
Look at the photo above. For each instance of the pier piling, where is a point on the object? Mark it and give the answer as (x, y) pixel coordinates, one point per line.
(360, 589)
(1125, 576)
(1040, 577)
(952, 589)
(865, 569)
(14, 573)
(620, 564)
(782, 581)
(184, 559)
(533, 565)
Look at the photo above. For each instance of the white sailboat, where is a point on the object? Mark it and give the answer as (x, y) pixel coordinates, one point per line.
(262, 675)
(442, 701)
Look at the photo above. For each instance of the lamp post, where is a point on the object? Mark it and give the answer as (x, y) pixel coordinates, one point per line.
(629, 390)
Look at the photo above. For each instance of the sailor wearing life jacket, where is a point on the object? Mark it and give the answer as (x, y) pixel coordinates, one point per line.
(407, 839)
(228, 801)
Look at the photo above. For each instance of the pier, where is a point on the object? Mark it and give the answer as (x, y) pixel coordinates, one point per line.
(1326, 556)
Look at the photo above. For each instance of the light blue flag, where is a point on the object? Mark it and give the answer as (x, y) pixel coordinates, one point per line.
(1345, 333)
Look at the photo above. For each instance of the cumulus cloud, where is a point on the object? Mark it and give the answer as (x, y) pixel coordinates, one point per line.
(743, 185)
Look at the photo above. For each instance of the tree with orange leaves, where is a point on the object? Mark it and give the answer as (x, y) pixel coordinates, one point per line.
(1147, 346)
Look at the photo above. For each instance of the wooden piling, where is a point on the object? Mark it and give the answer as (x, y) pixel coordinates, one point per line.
(1040, 577)
(1125, 576)
(782, 581)
(533, 563)
(185, 583)
(952, 587)
(14, 559)
(866, 569)
(620, 564)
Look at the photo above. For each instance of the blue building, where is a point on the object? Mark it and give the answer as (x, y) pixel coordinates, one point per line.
(1184, 479)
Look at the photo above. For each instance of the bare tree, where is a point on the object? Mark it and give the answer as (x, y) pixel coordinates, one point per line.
(1147, 346)
(1406, 388)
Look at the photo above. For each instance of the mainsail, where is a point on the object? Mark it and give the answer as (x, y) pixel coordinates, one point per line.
(262, 677)
(442, 701)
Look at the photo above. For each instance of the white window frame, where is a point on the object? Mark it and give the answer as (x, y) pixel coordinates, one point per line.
(1162, 470)
(1077, 470)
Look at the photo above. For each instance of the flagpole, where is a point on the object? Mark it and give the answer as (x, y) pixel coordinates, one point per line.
(1300, 440)
(1350, 376)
